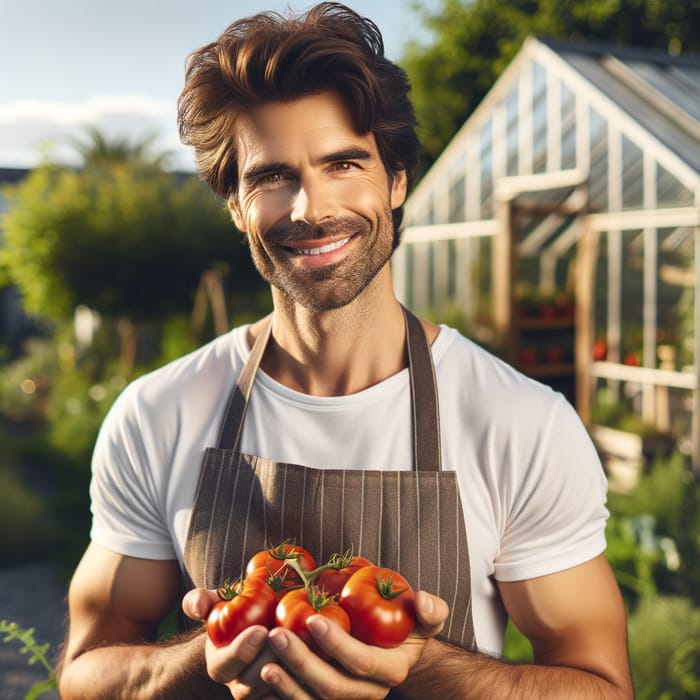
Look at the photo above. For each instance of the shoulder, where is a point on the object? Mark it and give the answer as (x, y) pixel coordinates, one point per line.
(187, 387)
(513, 424)
(471, 373)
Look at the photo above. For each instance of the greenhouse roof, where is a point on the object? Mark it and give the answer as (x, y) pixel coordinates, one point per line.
(660, 91)
(623, 122)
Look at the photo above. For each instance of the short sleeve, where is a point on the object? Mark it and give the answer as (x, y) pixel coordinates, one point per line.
(126, 491)
(556, 515)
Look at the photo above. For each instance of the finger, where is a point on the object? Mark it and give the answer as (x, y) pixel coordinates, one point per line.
(231, 661)
(198, 602)
(432, 612)
(372, 670)
(306, 672)
(284, 684)
(250, 677)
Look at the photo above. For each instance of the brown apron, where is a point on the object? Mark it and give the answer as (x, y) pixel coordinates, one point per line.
(409, 521)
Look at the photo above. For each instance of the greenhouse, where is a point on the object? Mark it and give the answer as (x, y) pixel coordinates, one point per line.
(560, 228)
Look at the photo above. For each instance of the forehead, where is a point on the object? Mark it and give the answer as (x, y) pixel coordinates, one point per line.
(314, 123)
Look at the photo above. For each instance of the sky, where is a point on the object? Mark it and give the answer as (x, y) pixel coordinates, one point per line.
(119, 65)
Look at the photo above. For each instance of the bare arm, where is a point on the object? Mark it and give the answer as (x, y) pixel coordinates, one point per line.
(116, 604)
(575, 621)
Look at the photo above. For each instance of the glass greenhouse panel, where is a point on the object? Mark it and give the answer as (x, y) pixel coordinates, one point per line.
(670, 192)
(568, 127)
(598, 149)
(632, 300)
(539, 118)
(632, 175)
(512, 135)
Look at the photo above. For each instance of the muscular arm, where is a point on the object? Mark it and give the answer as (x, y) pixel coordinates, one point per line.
(116, 604)
(575, 621)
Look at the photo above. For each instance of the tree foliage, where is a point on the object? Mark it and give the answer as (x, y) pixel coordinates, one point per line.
(472, 42)
(120, 235)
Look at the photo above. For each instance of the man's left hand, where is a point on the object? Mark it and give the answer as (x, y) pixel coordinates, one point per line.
(358, 670)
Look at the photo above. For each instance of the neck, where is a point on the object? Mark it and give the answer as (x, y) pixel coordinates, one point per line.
(339, 351)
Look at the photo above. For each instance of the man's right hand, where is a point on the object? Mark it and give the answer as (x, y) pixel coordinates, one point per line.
(236, 665)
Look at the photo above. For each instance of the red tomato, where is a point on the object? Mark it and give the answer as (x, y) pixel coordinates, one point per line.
(379, 603)
(281, 585)
(299, 605)
(600, 350)
(632, 359)
(251, 602)
(332, 581)
(272, 561)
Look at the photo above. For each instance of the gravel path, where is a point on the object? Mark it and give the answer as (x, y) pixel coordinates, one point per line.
(32, 596)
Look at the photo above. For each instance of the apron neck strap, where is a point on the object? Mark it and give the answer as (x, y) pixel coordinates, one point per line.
(424, 401)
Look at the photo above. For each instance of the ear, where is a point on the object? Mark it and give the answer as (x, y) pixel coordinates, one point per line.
(236, 215)
(399, 188)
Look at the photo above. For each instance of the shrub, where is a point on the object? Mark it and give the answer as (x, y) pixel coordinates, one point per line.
(664, 644)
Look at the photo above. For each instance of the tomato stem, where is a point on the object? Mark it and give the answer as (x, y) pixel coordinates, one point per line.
(335, 562)
(385, 586)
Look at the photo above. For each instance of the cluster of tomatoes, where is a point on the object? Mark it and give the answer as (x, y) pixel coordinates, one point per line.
(283, 586)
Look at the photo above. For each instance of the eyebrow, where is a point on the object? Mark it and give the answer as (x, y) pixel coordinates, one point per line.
(256, 172)
(351, 153)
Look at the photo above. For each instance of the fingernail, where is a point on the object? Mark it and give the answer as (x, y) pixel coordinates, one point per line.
(270, 675)
(278, 641)
(317, 624)
(428, 604)
(257, 637)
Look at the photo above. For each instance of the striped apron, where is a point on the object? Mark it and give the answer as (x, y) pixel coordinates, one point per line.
(409, 521)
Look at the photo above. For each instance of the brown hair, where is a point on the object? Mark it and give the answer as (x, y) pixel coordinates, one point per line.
(269, 57)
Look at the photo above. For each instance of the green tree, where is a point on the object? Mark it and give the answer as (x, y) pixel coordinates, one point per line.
(120, 235)
(472, 42)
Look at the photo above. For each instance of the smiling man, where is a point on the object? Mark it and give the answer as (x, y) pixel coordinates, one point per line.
(339, 420)
(315, 199)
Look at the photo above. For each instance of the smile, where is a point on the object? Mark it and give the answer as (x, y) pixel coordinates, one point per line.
(323, 249)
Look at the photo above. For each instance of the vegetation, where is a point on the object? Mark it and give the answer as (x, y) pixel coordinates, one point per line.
(472, 42)
(120, 236)
(36, 654)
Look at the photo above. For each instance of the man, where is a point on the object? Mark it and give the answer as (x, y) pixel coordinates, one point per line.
(339, 420)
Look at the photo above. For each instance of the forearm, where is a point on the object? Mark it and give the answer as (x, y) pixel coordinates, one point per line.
(450, 673)
(171, 670)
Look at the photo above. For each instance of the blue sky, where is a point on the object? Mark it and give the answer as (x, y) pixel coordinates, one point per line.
(119, 64)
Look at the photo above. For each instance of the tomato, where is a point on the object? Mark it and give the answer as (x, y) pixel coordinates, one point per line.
(600, 350)
(299, 605)
(379, 603)
(272, 561)
(246, 603)
(332, 581)
(281, 585)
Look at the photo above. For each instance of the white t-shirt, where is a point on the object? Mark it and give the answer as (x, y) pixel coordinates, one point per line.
(532, 486)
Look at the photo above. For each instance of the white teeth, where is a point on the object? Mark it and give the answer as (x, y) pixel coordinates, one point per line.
(323, 249)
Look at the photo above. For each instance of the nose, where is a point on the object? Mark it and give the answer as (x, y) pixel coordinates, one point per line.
(312, 202)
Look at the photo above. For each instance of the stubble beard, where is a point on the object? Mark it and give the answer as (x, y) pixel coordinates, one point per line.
(331, 286)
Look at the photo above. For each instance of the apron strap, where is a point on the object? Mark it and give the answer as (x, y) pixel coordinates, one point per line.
(424, 401)
(232, 424)
(424, 398)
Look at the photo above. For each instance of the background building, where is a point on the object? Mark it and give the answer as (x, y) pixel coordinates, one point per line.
(560, 227)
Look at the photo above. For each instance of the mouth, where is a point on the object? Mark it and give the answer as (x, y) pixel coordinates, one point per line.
(321, 250)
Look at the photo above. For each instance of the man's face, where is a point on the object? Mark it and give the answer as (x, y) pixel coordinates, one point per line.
(315, 200)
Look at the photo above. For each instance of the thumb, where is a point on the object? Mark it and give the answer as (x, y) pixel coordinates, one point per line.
(432, 612)
(198, 602)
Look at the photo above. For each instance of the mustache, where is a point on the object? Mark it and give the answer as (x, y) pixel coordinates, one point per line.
(286, 232)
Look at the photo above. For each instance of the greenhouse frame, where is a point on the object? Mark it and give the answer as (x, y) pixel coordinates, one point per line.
(561, 226)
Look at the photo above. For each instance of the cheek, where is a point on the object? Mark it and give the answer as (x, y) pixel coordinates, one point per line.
(263, 211)
(364, 198)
